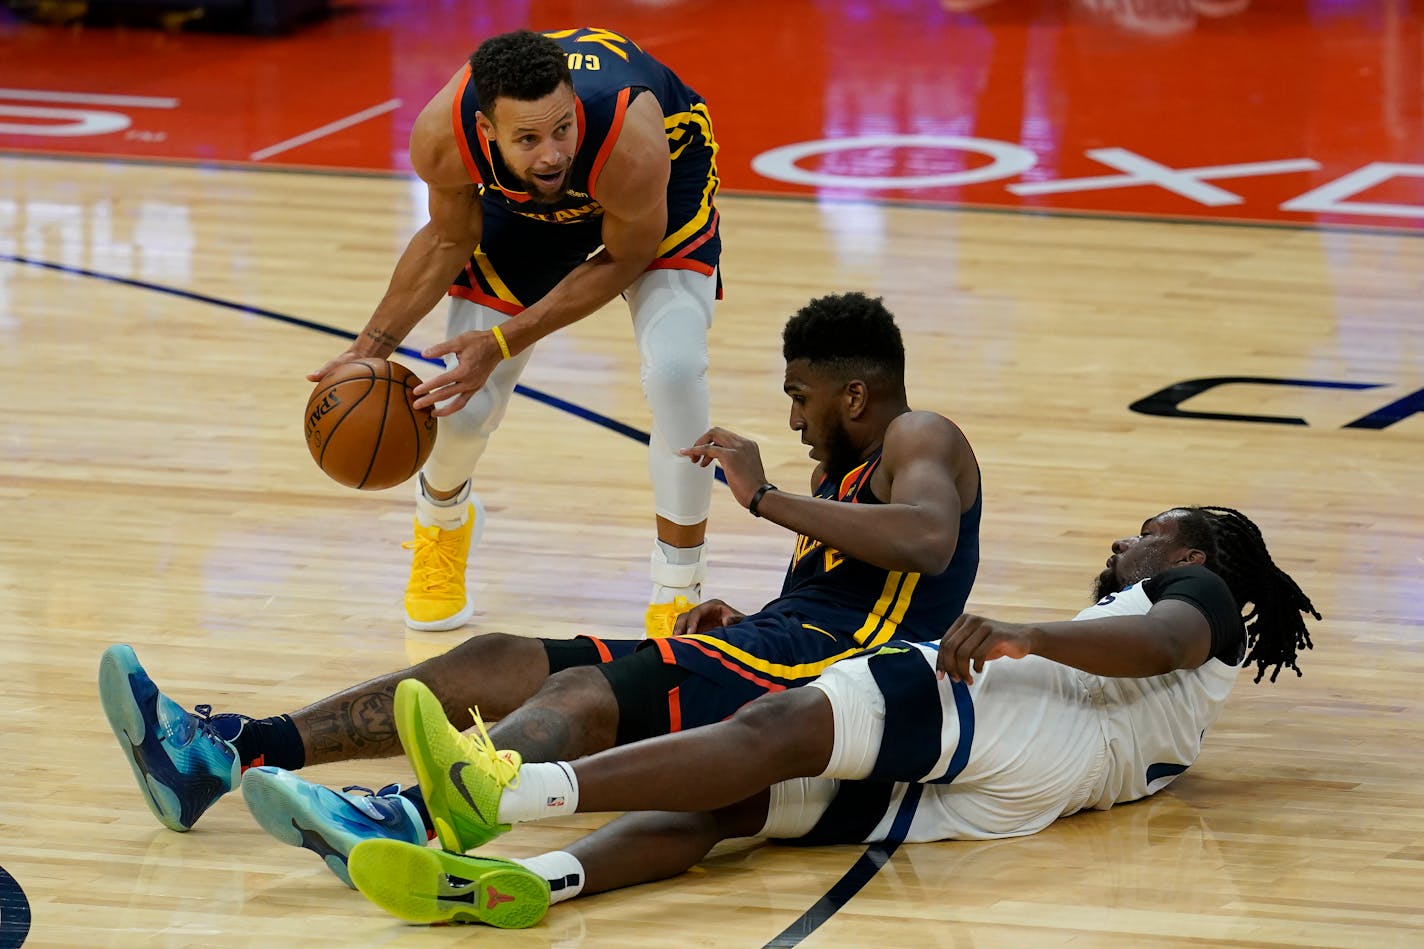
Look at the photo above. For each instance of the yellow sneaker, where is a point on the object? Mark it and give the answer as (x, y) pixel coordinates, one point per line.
(435, 597)
(661, 617)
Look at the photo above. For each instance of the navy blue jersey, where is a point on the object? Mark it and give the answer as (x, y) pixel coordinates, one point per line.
(870, 604)
(515, 265)
(608, 71)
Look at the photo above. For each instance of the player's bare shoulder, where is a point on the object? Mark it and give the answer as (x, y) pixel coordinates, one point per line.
(434, 154)
(918, 436)
(916, 431)
(635, 178)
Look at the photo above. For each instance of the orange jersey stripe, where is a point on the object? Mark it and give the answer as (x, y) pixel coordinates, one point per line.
(675, 710)
(476, 295)
(744, 673)
(461, 142)
(677, 263)
(704, 238)
(620, 112)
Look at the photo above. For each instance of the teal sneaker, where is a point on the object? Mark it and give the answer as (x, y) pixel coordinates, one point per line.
(180, 760)
(425, 885)
(326, 822)
(462, 777)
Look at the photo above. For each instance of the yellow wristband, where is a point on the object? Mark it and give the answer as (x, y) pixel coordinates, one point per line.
(499, 338)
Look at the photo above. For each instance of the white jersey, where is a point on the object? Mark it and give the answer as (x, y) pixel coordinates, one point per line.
(1029, 741)
(1154, 727)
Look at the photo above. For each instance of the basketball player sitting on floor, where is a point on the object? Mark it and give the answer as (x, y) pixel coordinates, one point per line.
(887, 549)
(996, 732)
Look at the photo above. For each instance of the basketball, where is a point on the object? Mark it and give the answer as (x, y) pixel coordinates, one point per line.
(362, 427)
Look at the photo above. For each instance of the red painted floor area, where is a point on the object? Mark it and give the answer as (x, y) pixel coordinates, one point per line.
(1302, 111)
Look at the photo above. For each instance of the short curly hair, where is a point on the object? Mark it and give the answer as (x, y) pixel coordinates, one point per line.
(847, 334)
(521, 65)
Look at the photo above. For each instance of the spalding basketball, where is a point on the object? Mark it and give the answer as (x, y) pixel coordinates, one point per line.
(363, 428)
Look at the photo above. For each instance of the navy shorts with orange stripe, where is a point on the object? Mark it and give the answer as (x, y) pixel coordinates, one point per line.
(766, 652)
(521, 259)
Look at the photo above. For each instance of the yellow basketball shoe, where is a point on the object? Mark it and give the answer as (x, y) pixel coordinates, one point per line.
(462, 777)
(677, 588)
(435, 597)
(425, 885)
(660, 618)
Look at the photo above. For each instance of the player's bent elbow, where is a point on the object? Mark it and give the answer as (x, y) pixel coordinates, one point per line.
(929, 556)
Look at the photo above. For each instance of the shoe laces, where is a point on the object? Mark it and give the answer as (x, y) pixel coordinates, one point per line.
(214, 727)
(500, 765)
(437, 558)
(390, 790)
(222, 723)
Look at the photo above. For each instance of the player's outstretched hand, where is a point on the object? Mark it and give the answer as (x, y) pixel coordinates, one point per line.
(318, 374)
(476, 355)
(707, 615)
(739, 457)
(974, 640)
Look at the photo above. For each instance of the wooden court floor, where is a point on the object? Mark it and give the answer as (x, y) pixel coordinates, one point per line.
(155, 490)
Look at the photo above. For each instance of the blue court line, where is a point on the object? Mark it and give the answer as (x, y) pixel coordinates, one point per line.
(854, 880)
(837, 896)
(613, 425)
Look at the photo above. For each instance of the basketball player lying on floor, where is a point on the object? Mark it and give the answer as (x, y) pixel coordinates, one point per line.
(904, 742)
(897, 563)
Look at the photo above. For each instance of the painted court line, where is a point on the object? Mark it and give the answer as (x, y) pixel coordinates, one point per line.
(388, 106)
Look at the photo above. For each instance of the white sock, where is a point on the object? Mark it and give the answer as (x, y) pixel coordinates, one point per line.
(448, 515)
(546, 789)
(563, 871)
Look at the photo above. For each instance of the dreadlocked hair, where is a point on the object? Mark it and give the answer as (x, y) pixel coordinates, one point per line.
(1236, 552)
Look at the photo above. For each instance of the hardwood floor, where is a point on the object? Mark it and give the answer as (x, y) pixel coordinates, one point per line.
(155, 490)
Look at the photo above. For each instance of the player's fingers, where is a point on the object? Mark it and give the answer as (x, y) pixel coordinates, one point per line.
(433, 385)
(964, 655)
(317, 375)
(453, 406)
(440, 349)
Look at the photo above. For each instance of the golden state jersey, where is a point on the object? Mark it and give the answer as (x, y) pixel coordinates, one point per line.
(871, 604)
(609, 71)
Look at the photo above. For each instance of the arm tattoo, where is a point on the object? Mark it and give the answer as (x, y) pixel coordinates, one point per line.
(382, 338)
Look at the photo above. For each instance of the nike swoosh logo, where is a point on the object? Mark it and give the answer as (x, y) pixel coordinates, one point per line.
(456, 770)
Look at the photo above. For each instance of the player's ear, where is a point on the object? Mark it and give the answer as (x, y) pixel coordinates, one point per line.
(856, 397)
(1194, 557)
(485, 124)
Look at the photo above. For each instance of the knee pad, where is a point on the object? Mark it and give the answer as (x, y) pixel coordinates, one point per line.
(672, 310)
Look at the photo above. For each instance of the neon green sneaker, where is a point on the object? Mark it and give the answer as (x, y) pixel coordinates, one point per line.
(435, 596)
(462, 777)
(425, 885)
